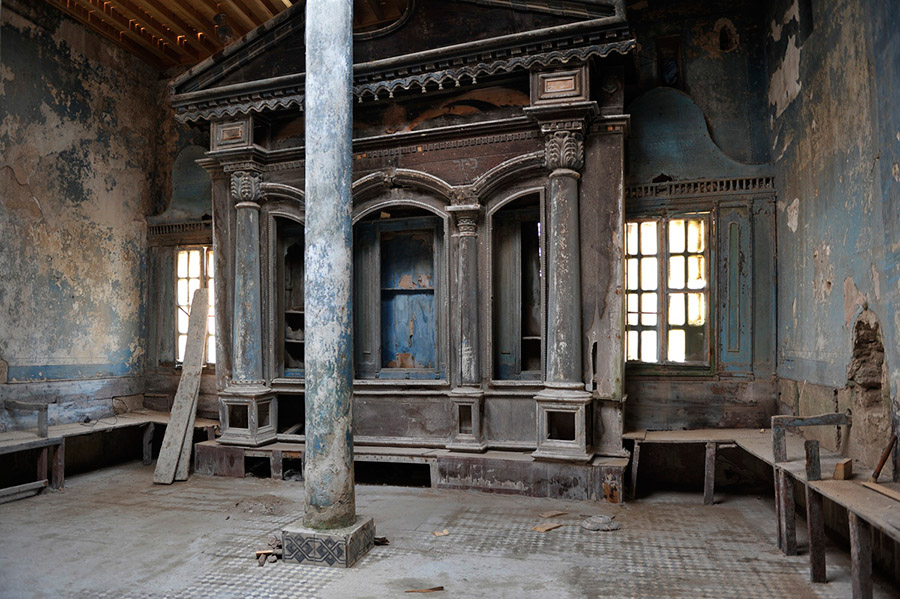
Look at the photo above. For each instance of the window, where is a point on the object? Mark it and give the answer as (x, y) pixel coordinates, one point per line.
(397, 296)
(193, 268)
(667, 289)
(517, 290)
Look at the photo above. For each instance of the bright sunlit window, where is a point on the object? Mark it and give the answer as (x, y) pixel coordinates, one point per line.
(193, 268)
(667, 289)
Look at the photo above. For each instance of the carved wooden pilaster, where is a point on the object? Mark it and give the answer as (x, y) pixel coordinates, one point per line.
(563, 407)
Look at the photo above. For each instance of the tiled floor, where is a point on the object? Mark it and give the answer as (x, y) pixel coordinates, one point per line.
(113, 534)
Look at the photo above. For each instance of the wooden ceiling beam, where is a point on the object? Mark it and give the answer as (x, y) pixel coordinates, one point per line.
(240, 13)
(212, 8)
(87, 18)
(117, 20)
(179, 26)
(271, 8)
(132, 11)
(196, 19)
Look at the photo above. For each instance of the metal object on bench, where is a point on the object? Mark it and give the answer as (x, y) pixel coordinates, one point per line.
(13, 405)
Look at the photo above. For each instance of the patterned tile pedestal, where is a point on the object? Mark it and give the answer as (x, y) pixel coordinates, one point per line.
(339, 547)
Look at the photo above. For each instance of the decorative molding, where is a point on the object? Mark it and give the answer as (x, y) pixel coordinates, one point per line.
(287, 91)
(703, 187)
(564, 150)
(245, 187)
(450, 144)
(179, 229)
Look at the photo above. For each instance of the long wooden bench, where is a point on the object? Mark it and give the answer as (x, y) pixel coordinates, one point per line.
(52, 445)
(867, 508)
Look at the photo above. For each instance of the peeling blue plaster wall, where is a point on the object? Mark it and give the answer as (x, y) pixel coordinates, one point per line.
(834, 132)
(79, 136)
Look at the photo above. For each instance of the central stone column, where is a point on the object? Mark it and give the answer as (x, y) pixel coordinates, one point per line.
(330, 533)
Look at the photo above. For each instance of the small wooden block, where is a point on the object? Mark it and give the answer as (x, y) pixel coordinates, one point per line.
(546, 527)
(552, 514)
(441, 533)
(843, 470)
(886, 491)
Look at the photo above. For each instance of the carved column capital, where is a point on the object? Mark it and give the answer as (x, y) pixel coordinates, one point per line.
(564, 149)
(246, 188)
(466, 216)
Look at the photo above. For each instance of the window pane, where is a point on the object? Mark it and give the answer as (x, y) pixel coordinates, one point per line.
(696, 272)
(631, 239)
(182, 322)
(676, 309)
(649, 274)
(182, 269)
(212, 297)
(677, 345)
(193, 285)
(211, 324)
(648, 346)
(632, 343)
(633, 310)
(676, 237)
(631, 273)
(696, 237)
(696, 350)
(210, 265)
(182, 342)
(696, 309)
(182, 295)
(211, 349)
(648, 309)
(648, 238)
(194, 263)
(676, 272)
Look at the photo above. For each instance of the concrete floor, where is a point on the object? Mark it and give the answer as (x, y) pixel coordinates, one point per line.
(112, 533)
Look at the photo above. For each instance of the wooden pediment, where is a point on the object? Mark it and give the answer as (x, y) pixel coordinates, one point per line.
(437, 43)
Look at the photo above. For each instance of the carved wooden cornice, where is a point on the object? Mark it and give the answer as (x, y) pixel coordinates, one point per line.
(287, 92)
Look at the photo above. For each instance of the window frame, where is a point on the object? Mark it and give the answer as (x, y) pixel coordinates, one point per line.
(206, 256)
(663, 215)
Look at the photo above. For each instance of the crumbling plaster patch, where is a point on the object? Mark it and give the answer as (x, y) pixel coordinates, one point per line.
(784, 85)
(793, 215)
(79, 137)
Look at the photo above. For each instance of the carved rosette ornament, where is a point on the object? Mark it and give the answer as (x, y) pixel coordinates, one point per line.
(564, 150)
(245, 187)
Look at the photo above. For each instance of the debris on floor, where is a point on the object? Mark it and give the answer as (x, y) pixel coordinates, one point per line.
(552, 514)
(431, 590)
(272, 554)
(546, 527)
(600, 523)
(293, 475)
(379, 541)
(269, 505)
(441, 533)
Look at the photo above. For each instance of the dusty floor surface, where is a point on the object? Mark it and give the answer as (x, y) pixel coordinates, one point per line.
(112, 533)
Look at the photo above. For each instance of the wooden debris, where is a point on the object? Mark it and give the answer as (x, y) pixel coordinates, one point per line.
(380, 541)
(441, 533)
(884, 458)
(180, 430)
(886, 491)
(265, 552)
(262, 560)
(546, 527)
(431, 590)
(552, 514)
(843, 470)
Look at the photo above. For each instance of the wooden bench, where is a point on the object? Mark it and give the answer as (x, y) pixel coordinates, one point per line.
(52, 444)
(867, 508)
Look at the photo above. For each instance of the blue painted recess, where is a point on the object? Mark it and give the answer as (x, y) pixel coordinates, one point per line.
(407, 299)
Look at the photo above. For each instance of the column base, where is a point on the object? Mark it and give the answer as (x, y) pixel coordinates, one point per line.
(248, 413)
(338, 547)
(468, 406)
(564, 423)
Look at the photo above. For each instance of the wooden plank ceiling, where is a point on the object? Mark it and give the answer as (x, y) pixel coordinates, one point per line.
(169, 33)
